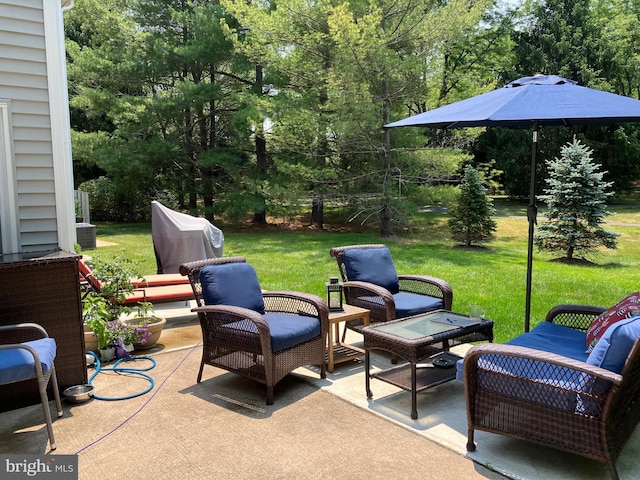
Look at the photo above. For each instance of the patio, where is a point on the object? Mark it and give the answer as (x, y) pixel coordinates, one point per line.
(222, 428)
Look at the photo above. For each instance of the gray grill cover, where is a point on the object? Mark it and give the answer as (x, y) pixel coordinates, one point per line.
(180, 238)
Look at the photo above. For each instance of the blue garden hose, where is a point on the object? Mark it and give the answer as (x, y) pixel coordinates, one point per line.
(120, 370)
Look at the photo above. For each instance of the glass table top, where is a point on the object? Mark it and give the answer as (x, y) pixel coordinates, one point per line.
(426, 325)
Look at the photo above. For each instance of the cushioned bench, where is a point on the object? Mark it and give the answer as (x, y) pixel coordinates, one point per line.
(162, 288)
(572, 383)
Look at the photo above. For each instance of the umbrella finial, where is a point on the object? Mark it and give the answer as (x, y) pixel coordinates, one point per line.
(540, 79)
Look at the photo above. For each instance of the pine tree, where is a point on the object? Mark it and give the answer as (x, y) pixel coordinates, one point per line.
(576, 198)
(471, 217)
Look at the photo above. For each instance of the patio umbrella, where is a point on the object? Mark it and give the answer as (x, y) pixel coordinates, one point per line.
(531, 101)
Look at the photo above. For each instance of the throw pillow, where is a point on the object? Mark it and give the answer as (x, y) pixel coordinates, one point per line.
(613, 348)
(625, 308)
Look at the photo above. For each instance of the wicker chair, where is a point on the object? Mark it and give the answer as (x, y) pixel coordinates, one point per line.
(29, 360)
(419, 293)
(591, 412)
(248, 331)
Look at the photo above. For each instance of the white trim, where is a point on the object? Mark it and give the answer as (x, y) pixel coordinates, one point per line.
(10, 233)
(60, 124)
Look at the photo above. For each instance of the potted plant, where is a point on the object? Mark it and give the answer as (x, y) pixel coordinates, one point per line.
(103, 310)
(145, 318)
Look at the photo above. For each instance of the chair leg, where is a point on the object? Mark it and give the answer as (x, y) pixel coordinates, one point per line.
(269, 394)
(200, 372)
(56, 391)
(471, 446)
(42, 386)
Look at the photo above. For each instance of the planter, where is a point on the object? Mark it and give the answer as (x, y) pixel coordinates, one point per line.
(155, 326)
(90, 340)
(107, 354)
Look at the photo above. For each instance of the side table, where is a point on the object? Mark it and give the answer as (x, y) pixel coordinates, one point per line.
(341, 352)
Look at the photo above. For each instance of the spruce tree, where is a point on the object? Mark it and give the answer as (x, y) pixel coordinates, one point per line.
(471, 220)
(576, 198)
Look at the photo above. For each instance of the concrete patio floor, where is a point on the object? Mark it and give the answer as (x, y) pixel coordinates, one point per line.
(222, 428)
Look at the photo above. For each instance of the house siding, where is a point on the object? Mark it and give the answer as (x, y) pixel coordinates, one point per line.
(23, 80)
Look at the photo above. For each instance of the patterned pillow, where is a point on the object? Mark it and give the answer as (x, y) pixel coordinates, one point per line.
(625, 308)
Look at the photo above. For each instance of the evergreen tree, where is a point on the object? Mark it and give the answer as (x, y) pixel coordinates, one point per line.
(576, 200)
(471, 217)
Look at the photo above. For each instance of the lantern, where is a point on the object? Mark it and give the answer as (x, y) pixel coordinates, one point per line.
(334, 294)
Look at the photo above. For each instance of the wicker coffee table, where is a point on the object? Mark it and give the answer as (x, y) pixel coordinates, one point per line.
(424, 342)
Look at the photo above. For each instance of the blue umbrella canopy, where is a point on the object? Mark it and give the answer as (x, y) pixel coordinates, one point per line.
(543, 99)
(531, 101)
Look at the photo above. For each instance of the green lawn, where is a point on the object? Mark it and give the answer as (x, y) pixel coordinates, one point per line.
(493, 278)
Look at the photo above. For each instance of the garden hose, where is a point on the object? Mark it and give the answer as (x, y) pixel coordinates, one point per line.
(120, 370)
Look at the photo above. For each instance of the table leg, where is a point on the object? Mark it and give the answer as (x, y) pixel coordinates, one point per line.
(414, 406)
(330, 353)
(366, 373)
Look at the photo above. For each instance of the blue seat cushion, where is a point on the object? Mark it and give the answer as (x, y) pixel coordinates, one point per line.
(19, 364)
(234, 284)
(372, 265)
(553, 338)
(614, 346)
(287, 330)
(408, 304)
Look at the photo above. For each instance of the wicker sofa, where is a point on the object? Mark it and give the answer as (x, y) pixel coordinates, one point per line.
(555, 394)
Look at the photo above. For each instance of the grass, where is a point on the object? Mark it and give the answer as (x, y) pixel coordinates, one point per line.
(494, 277)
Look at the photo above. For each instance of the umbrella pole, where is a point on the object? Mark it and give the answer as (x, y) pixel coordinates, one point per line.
(532, 212)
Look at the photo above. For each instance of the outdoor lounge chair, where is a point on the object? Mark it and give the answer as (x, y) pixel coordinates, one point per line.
(260, 335)
(31, 359)
(370, 281)
(162, 288)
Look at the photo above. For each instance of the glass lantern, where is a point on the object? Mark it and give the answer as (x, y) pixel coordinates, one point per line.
(334, 295)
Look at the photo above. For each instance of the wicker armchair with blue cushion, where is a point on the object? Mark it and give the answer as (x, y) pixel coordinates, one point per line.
(31, 359)
(260, 335)
(371, 282)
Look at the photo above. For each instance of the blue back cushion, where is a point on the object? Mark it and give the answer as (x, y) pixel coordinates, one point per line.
(614, 346)
(373, 265)
(234, 284)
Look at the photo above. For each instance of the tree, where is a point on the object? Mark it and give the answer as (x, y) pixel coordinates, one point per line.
(593, 43)
(470, 220)
(576, 200)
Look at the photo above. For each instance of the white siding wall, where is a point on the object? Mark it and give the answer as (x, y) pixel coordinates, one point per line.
(23, 80)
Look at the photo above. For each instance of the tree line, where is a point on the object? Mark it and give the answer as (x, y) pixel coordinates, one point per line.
(254, 109)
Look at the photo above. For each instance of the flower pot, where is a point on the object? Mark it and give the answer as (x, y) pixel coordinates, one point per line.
(107, 354)
(90, 340)
(155, 326)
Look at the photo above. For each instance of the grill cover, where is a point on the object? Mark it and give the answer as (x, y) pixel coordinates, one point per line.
(180, 238)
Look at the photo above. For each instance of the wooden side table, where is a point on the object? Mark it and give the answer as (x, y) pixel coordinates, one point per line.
(341, 352)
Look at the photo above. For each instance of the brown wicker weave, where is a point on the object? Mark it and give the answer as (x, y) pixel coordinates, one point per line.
(42, 288)
(378, 300)
(35, 332)
(594, 422)
(251, 355)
